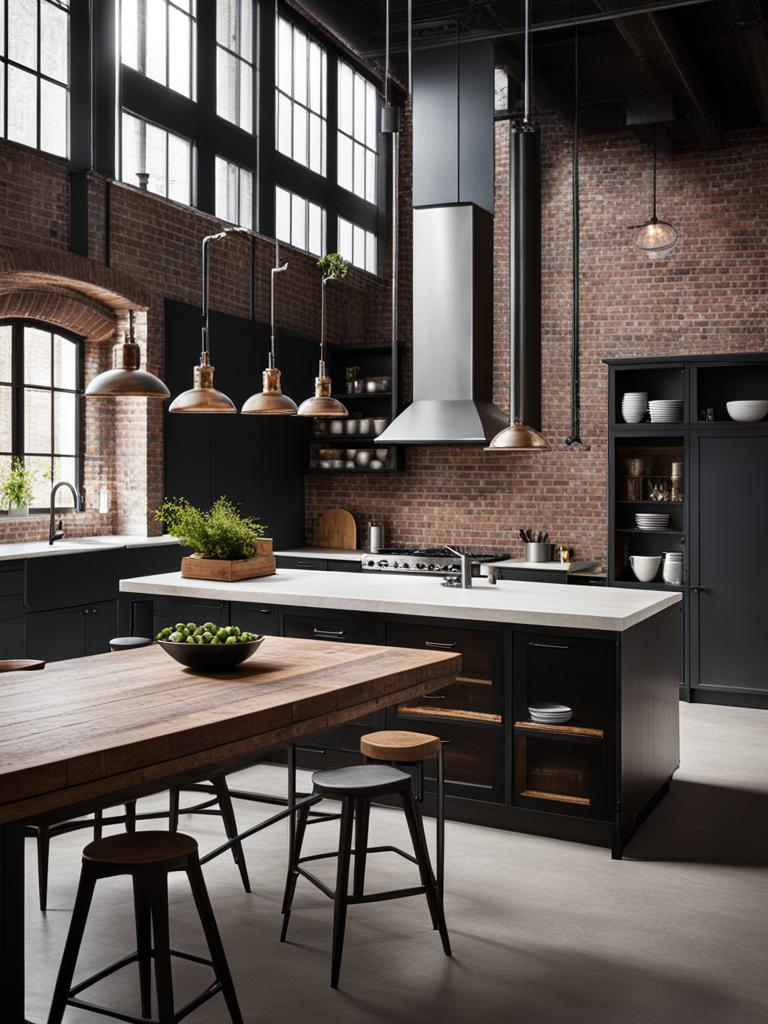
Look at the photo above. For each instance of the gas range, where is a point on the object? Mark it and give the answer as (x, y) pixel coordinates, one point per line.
(422, 561)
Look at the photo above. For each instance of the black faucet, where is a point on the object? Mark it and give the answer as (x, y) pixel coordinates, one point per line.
(55, 533)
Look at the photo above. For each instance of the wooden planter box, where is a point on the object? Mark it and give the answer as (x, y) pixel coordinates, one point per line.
(196, 567)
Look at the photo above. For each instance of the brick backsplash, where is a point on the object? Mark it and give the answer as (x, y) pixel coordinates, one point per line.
(709, 296)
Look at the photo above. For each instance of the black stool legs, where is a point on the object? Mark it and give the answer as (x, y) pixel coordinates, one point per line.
(341, 896)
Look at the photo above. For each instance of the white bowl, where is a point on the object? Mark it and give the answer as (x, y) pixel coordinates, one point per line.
(645, 567)
(747, 411)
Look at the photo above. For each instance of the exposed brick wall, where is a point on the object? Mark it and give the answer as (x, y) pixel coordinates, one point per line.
(710, 296)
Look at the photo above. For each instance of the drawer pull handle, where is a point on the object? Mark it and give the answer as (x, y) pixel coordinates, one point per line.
(554, 647)
(433, 696)
(306, 565)
(329, 632)
(264, 611)
(438, 646)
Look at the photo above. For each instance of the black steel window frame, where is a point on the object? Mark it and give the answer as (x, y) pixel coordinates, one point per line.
(356, 141)
(18, 387)
(39, 75)
(323, 115)
(168, 133)
(192, 18)
(239, 186)
(244, 60)
(96, 96)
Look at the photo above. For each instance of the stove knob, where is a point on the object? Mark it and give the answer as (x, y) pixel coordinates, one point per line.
(431, 567)
(444, 568)
(370, 562)
(383, 563)
(420, 565)
(395, 565)
(406, 565)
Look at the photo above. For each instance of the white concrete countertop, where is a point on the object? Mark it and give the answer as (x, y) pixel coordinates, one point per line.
(79, 545)
(333, 553)
(532, 604)
(520, 563)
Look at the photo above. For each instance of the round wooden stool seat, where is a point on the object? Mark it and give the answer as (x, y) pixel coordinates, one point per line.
(21, 665)
(361, 780)
(396, 745)
(140, 849)
(129, 643)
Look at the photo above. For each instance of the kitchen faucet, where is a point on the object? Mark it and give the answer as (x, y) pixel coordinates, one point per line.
(53, 532)
(466, 570)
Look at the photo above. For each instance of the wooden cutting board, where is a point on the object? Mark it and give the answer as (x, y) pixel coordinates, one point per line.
(337, 529)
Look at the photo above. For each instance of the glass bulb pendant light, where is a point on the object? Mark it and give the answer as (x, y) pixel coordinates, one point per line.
(271, 401)
(656, 238)
(126, 379)
(322, 403)
(519, 436)
(203, 397)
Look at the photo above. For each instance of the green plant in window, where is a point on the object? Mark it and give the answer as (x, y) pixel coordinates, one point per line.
(221, 532)
(333, 266)
(17, 487)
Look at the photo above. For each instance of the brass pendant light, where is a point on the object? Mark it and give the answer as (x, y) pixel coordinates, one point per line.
(203, 397)
(271, 401)
(519, 436)
(126, 379)
(322, 403)
(656, 238)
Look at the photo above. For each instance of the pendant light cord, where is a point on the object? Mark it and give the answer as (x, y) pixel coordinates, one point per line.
(574, 437)
(277, 269)
(655, 133)
(207, 242)
(527, 66)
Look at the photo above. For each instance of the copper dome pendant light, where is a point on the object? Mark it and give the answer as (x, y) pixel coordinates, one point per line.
(656, 238)
(518, 436)
(126, 379)
(322, 403)
(271, 401)
(203, 397)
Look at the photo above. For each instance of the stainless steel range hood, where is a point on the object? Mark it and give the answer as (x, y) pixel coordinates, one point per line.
(453, 160)
(452, 330)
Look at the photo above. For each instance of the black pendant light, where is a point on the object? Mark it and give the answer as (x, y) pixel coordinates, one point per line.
(524, 152)
(203, 397)
(126, 379)
(271, 401)
(656, 238)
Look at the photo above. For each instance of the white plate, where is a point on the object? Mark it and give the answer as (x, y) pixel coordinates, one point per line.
(561, 720)
(545, 707)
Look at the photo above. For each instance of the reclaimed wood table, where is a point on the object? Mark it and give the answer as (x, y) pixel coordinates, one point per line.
(95, 732)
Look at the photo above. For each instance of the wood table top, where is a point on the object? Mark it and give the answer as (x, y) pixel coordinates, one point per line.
(86, 731)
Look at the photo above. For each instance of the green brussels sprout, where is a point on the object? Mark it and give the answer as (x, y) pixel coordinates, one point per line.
(176, 637)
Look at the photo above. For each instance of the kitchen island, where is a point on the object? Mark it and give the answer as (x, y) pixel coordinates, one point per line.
(613, 655)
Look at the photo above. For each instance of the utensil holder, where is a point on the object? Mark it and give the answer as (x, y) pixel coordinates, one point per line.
(538, 552)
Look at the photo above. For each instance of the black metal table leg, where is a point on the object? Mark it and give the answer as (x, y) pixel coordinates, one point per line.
(12, 923)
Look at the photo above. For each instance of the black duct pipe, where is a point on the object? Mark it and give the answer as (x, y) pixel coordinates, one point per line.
(525, 274)
(575, 435)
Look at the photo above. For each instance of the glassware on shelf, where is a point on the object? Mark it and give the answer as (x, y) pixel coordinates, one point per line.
(659, 490)
(635, 466)
(633, 488)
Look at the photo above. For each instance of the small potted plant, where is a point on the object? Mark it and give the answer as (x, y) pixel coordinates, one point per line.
(228, 546)
(354, 384)
(17, 492)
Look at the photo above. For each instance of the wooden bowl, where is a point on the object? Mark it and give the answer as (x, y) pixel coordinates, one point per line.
(211, 657)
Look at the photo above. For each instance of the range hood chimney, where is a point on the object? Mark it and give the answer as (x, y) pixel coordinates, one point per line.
(453, 161)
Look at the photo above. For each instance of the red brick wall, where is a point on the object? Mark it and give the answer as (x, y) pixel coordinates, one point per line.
(710, 296)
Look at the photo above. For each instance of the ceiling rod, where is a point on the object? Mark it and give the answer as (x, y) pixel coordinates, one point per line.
(652, 7)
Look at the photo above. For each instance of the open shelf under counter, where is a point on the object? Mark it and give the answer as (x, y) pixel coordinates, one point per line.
(567, 731)
(455, 714)
(536, 794)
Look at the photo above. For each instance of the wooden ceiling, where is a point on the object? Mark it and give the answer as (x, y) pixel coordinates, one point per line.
(696, 66)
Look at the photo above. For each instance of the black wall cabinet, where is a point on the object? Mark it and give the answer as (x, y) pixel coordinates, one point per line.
(257, 461)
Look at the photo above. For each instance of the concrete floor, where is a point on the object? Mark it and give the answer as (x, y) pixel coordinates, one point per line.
(542, 930)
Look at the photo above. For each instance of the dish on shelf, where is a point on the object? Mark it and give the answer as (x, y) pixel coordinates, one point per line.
(652, 520)
(376, 385)
(645, 567)
(550, 714)
(380, 424)
(634, 406)
(363, 458)
(666, 410)
(747, 411)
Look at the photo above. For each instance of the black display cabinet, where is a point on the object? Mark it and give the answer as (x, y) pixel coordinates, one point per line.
(709, 473)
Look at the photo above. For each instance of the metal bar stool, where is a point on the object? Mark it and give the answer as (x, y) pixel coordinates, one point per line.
(356, 787)
(399, 747)
(148, 857)
(41, 832)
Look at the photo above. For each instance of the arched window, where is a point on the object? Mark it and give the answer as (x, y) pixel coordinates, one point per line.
(41, 387)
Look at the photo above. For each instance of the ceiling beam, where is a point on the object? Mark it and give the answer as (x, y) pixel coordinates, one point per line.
(750, 30)
(653, 39)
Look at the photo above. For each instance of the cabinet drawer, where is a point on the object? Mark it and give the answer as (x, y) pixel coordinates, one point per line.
(255, 618)
(289, 562)
(342, 565)
(170, 610)
(563, 775)
(11, 579)
(12, 638)
(63, 581)
(339, 746)
(320, 627)
(478, 693)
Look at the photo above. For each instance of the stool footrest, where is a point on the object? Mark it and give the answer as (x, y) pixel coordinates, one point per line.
(272, 820)
(392, 894)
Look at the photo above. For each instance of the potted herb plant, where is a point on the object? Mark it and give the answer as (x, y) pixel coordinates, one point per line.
(16, 489)
(228, 546)
(354, 384)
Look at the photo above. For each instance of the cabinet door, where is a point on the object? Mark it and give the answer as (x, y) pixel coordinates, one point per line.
(332, 627)
(730, 563)
(255, 618)
(56, 635)
(170, 610)
(12, 642)
(100, 626)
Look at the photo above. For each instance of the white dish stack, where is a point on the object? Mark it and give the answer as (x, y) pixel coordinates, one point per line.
(666, 410)
(550, 714)
(672, 572)
(652, 520)
(634, 406)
